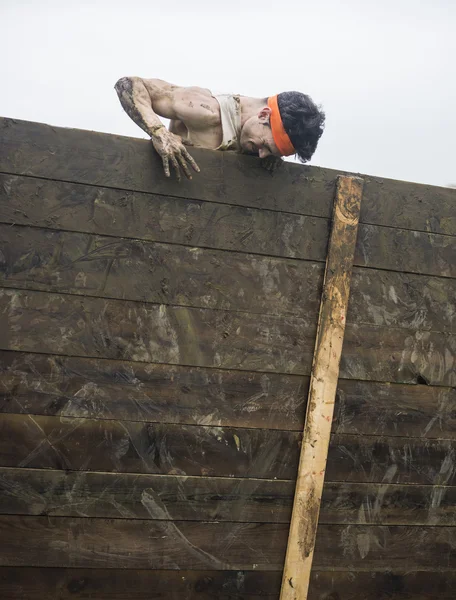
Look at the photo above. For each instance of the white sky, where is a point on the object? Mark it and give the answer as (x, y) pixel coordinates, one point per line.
(383, 70)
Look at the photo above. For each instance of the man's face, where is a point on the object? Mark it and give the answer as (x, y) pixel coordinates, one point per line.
(256, 135)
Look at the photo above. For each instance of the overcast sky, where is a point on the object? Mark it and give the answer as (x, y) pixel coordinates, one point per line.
(384, 71)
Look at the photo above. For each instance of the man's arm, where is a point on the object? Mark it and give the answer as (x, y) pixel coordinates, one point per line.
(139, 102)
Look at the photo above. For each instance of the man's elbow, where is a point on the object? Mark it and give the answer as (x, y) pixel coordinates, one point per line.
(125, 85)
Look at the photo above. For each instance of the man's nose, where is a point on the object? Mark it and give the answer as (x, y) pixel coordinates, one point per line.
(263, 153)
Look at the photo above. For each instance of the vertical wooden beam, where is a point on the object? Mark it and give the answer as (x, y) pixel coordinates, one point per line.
(322, 392)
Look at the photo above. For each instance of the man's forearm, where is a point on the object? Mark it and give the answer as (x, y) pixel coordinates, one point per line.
(136, 102)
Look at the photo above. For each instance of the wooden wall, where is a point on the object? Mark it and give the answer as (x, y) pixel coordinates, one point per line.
(156, 341)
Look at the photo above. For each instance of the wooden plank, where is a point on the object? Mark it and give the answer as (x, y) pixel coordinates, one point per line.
(393, 299)
(131, 164)
(409, 205)
(133, 496)
(123, 330)
(109, 267)
(183, 498)
(398, 355)
(17, 583)
(391, 460)
(130, 584)
(100, 266)
(153, 217)
(132, 391)
(118, 329)
(105, 211)
(68, 443)
(137, 544)
(381, 548)
(108, 160)
(386, 409)
(405, 250)
(322, 392)
(85, 444)
(388, 504)
(394, 585)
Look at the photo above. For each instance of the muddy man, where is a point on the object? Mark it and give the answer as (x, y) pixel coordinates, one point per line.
(282, 125)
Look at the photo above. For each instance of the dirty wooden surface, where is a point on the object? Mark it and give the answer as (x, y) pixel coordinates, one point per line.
(180, 497)
(131, 447)
(161, 336)
(109, 160)
(107, 267)
(111, 212)
(126, 330)
(83, 542)
(131, 584)
(322, 390)
(132, 391)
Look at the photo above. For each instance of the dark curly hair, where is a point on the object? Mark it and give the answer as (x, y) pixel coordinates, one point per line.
(303, 120)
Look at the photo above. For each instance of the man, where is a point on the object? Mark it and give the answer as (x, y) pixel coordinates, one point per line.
(282, 125)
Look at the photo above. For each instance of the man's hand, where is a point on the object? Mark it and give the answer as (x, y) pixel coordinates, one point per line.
(172, 150)
(271, 163)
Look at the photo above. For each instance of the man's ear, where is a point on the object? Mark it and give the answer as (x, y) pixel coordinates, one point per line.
(264, 115)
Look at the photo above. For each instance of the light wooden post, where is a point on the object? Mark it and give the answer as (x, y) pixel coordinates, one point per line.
(322, 393)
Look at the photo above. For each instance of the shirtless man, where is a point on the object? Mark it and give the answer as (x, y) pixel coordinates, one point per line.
(289, 123)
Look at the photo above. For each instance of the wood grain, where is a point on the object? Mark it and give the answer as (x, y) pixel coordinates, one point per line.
(137, 544)
(86, 444)
(155, 333)
(322, 391)
(153, 217)
(132, 164)
(183, 498)
(131, 391)
(122, 446)
(18, 583)
(108, 160)
(100, 266)
(109, 267)
(101, 328)
(105, 211)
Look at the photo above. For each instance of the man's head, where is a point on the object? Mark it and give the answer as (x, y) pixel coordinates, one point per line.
(303, 123)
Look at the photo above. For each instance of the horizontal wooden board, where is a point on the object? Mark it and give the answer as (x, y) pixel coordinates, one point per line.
(175, 545)
(118, 329)
(122, 446)
(404, 300)
(127, 163)
(183, 498)
(100, 328)
(109, 267)
(132, 164)
(80, 444)
(131, 391)
(32, 583)
(393, 585)
(159, 218)
(388, 409)
(105, 211)
(405, 250)
(83, 264)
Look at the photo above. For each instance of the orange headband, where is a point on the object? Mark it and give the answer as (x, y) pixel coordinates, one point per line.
(281, 139)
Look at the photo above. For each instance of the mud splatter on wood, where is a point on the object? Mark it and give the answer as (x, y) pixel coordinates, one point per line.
(115, 161)
(181, 497)
(132, 544)
(106, 389)
(122, 584)
(122, 446)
